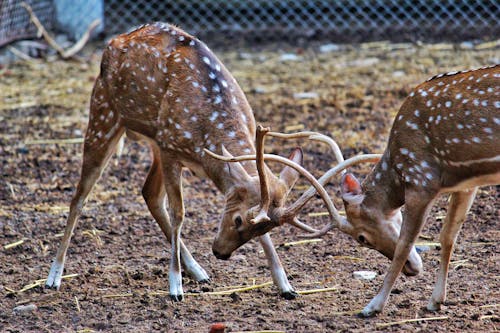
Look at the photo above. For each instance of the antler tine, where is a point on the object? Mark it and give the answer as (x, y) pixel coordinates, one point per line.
(288, 215)
(265, 200)
(313, 136)
(342, 224)
(296, 223)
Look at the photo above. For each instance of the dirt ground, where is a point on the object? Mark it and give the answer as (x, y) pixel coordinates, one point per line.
(119, 257)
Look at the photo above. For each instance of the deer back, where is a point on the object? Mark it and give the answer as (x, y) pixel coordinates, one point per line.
(448, 129)
(168, 86)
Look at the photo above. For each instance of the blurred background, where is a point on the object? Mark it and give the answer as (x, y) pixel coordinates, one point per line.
(264, 21)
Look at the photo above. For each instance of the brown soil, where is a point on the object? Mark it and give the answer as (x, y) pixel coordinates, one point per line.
(121, 257)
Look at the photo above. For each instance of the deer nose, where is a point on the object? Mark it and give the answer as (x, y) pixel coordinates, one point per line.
(221, 256)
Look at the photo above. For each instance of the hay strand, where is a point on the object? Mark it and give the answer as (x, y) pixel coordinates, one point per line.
(406, 321)
(77, 304)
(315, 291)
(69, 141)
(12, 245)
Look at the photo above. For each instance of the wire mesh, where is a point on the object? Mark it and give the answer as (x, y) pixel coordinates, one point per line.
(350, 20)
(14, 19)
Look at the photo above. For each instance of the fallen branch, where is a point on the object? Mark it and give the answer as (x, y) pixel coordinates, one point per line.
(20, 54)
(406, 321)
(65, 54)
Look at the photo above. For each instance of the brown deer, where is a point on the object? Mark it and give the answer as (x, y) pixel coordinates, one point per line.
(161, 85)
(445, 139)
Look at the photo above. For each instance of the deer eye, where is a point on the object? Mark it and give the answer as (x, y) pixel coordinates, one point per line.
(238, 221)
(362, 240)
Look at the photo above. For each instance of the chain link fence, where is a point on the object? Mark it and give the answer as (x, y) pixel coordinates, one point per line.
(259, 20)
(14, 19)
(340, 20)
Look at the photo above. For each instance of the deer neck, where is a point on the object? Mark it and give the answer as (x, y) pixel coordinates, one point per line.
(223, 174)
(382, 187)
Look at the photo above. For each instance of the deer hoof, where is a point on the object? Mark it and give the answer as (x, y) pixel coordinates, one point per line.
(433, 306)
(289, 295)
(176, 298)
(366, 313)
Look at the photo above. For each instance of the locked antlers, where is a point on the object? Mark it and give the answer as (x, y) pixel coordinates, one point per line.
(289, 214)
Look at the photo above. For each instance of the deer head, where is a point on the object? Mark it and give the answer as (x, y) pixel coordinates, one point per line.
(255, 205)
(373, 225)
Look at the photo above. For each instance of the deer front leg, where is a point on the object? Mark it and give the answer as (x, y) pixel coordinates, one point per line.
(95, 158)
(460, 204)
(277, 271)
(173, 186)
(155, 195)
(416, 209)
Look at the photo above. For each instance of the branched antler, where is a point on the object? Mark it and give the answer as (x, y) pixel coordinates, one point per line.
(265, 200)
(285, 216)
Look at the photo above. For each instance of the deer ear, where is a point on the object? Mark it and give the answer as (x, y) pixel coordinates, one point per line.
(351, 190)
(288, 175)
(235, 168)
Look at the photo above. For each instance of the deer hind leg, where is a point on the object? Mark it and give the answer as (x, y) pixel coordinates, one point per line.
(418, 204)
(173, 187)
(155, 196)
(96, 153)
(460, 204)
(277, 272)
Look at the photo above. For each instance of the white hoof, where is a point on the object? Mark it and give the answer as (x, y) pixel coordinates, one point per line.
(197, 272)
(433, 305)
(55, 274)
(175, 288)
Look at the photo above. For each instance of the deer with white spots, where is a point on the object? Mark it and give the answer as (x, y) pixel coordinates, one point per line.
(161, 85)
(445, 139)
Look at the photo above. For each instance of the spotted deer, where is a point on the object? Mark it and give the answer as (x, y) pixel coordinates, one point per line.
(445, 139)
(163, 86)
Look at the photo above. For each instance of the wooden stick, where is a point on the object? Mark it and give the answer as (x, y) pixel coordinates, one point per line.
(20, 54)
(416, 320)
(65, 54)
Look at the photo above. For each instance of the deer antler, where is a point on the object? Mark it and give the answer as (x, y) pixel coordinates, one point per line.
(313, 136)
(342, 224)
(285, 215)
(265, 200)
